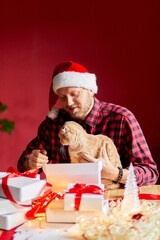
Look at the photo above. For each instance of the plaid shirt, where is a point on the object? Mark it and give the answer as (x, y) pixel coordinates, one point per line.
(116, 122)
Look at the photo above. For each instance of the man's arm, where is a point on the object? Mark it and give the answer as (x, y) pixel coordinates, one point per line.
(133, 148)
(35, 154)
(108, 170)
(32, 159)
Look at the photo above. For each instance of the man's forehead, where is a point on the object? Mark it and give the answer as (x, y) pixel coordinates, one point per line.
(67, 90)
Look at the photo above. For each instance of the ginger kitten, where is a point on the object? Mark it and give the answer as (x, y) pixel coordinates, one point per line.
(78, 140)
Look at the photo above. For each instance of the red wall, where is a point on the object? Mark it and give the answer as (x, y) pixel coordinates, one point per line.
(117, 40)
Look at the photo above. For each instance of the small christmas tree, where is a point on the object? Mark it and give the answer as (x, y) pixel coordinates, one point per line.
(130, 203)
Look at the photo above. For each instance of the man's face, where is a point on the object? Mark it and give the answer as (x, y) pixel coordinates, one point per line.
(76, 101)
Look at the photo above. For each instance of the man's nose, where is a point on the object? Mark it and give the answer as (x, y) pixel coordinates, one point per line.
(69, 101)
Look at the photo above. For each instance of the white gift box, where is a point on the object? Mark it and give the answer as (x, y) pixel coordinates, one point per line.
(56, 204)
(65, 216)
(6, 206)
(89, 202)
(22, 188)
(11, 220)
(60, 175)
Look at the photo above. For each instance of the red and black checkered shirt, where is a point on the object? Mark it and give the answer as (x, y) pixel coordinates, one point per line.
(116, 122)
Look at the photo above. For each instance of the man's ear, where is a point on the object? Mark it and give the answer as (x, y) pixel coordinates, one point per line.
(91, 93)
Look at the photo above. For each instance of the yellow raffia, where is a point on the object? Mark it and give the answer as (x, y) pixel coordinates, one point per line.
(116, 225)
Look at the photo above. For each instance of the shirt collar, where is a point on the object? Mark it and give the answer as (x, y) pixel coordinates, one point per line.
(93, 116)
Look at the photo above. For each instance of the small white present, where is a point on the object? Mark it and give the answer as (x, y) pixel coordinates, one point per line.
(11, 220)
(91, 197)
(22, 188)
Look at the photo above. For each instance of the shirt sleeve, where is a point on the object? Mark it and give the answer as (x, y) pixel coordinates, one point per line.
(41, 142)
(136, 150)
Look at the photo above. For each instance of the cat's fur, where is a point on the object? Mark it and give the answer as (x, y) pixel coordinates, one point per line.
(73, 135)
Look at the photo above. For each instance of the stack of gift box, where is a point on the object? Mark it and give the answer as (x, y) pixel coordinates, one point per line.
(82, 188)
(66, 211)
(23, 190)
(79, 183)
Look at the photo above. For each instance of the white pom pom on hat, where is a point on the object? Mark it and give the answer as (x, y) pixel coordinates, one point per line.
(71, 74)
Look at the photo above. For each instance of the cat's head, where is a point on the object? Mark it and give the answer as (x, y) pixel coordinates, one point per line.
(70, 132)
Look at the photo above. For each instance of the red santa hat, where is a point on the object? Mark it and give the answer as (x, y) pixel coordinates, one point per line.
(70, 74)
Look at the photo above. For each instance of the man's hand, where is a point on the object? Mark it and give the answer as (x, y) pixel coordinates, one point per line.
(37, 158)
(108, 171)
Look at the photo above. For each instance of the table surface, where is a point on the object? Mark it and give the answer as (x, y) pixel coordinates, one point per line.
(118, 193)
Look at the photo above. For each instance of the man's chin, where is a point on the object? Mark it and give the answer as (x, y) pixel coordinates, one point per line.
(74, 115)
(77, 116)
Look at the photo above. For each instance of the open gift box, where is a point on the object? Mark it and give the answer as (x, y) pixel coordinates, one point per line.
(61, 175)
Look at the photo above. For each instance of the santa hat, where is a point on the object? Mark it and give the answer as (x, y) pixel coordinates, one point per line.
(70, 74)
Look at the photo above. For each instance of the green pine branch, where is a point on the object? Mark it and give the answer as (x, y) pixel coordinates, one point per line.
(5, 124)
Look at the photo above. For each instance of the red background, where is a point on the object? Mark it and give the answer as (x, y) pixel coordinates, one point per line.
(117, 40)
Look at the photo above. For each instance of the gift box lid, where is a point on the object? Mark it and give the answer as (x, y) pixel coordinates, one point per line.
(60, 175)
(4, 174)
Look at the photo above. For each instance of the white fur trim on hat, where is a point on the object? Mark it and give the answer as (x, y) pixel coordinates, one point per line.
(75, 79)
(53, 113)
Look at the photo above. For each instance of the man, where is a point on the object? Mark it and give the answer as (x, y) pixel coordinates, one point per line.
(76, 87)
